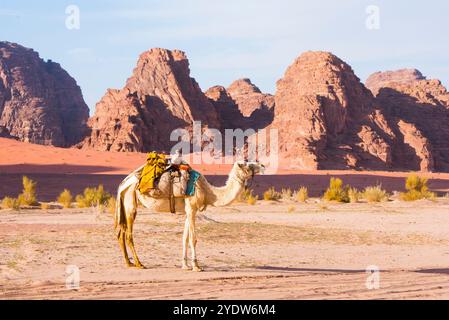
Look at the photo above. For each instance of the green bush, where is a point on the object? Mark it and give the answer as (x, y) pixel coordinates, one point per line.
(416, 189)
(272, 194)
(28, 195)
(65, 198)
(10, 203)
(302, 194)
(336, 191)
(93, 197)
(375, 194)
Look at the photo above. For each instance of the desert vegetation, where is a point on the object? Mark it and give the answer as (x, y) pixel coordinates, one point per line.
(65, 198)
(272, 195)
(302, 194)
(336, 191)
(375, 194)
(416, 189)
(93, 197)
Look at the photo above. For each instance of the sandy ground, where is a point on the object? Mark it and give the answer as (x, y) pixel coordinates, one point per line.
(318, 251)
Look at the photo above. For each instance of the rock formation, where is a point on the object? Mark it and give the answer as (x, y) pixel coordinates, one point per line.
(242, 105)
(158, 98)
(39, 101)
(325, 117)
(419, 108)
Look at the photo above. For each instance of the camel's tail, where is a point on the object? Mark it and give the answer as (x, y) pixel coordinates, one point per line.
(130, 182)
(120, 214)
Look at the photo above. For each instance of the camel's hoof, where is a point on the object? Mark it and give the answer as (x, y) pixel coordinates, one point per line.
(197, 269)
(130, 265)
(185, 267)
(140, 266)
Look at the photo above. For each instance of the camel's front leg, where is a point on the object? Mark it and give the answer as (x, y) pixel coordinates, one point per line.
(192, 241)
(185, 243)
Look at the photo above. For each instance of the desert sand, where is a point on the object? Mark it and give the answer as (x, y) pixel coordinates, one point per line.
(317, 251)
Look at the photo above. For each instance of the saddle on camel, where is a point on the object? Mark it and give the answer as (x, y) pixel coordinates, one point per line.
(167, 177)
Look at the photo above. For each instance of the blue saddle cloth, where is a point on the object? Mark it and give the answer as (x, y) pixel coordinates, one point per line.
(193, 178)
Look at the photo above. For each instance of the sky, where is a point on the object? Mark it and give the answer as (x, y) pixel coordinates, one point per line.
(228, 40)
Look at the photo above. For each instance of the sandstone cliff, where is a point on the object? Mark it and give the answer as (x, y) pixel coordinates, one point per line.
(39, 101)
(159, 97)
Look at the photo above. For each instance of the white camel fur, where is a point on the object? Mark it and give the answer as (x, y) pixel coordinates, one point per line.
(205, 195)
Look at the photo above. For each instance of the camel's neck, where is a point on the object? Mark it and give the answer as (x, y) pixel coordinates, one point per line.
(223, 196)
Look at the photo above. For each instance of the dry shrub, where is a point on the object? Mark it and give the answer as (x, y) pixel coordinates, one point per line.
(65, 198)
(272, 194)
(93, 197)
(28, 195)
(336, 191)
(286, 194)
(252, 199)
(302, 194)
(375, 194)
(244, 195)
(10, 203)
(111, 205)
(354, 195)
(416, 189)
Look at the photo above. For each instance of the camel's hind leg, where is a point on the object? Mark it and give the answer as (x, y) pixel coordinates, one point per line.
(126, 214)
(130, 241)
(121, 241)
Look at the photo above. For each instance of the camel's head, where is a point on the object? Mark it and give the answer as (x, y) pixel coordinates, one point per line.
(247, 169)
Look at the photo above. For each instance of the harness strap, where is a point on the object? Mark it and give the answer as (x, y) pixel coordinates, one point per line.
(171, 197)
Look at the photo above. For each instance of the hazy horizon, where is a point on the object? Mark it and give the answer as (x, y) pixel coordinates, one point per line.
(225, 41)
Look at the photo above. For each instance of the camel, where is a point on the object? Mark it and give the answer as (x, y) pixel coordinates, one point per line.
(205, 195)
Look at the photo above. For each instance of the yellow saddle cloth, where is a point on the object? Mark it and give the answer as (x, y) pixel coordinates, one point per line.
(155, 167)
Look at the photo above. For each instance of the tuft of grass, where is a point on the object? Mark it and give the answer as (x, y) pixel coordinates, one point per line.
(93, 197)
(243, 197)
(272, 194)
(10, 203)
(291, 209)
(65, 198)
(302, 194)
(416, 189)
(111, 205)
(354, 195)
(375, 194)
(286, 193)
(336, 191)
(28, 196)
(252, 199)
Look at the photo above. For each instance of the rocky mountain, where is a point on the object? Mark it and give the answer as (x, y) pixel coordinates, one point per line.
(242, 105)
(39, 101)
(326, 117)
(419, 110)
(160, 96)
